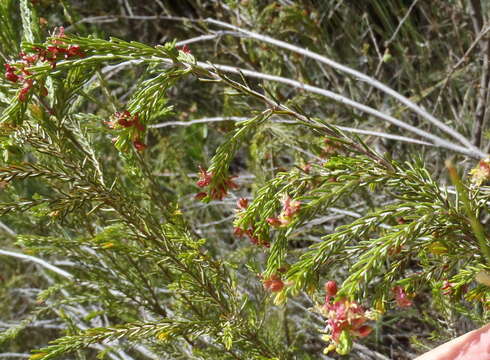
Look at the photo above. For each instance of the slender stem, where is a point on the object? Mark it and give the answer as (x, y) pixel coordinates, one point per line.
(475, 153)
(36, 260)
(238, 119)
(358, 75)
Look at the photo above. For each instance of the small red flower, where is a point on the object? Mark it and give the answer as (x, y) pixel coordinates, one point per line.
(290, 206)
(205, 177)
(136, 122)
(242, 203)
(344, 315)
(200, 196)
(139, 145)
(10, 74)
(124, 118)
(253, 239)
(184, 49)
(219, 192)
(231, 184)
(274, 222)
(74, 50)
(331, 289)
(28, 83)
(274, 283)
(363, 331)
(401, 297)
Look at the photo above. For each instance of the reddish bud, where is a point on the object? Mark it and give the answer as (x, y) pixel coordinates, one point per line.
(242, 203)
(139, 145)
(230, 183)
(394, 250)
(200, 196)
(290, 206)
(253, 239)
(74, 50)
(219, 192)
(123, 119)
(184, 49)
(364, 331)
(25, 90)
(274, 222)
(137, 124)
(274, 284)
(10, 76)
(331, 288)
(205, 177)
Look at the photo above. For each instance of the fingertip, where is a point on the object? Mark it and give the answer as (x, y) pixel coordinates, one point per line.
(474, 345)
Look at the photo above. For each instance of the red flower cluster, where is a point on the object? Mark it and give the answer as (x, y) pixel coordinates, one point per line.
(18, 71)
(58, 50)
(10, 73)
(401, 297)
(126, 120)
(250, 234)
(184, 49)
(273, 283)
(290, 208)
(218, 191)
(205, 177)
(54, 53)
(343, 315)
